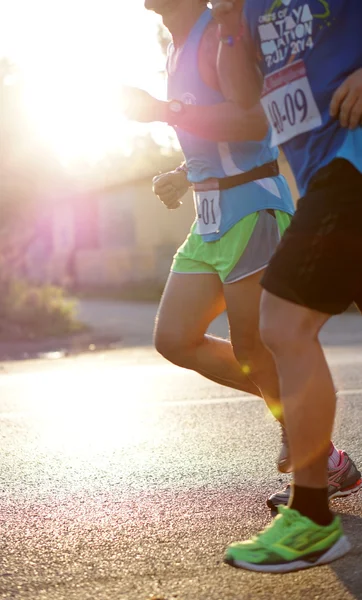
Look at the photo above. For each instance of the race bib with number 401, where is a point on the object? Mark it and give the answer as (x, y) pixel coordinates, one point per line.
(289, 103)
(208, 211)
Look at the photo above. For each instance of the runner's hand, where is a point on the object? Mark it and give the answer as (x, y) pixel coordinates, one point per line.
(170, 188)
(227, 13)
(346, 103)
(139, 105)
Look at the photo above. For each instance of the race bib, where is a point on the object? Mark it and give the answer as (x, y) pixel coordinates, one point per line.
(289, 103)
(208, 211)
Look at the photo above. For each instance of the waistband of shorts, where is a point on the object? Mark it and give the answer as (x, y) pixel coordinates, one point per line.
(336, 172)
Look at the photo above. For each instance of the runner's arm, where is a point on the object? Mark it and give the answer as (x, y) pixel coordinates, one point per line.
(228, 121)
(223, 122)
(236, 65)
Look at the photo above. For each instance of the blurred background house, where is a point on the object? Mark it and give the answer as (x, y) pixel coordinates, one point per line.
(111, 236)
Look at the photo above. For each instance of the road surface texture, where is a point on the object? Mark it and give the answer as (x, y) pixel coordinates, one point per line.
(124, 478)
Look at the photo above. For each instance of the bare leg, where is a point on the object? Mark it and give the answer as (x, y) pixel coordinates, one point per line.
(243, 302)
(189, 304)
(307, 390)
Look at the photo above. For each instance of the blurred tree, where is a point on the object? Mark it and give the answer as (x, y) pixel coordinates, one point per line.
(163, 38)
(27, 170)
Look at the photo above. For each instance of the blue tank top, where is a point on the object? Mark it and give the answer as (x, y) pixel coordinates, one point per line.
(206, 159)
(321, 40)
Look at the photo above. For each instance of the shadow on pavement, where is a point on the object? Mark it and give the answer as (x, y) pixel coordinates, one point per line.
(349, 569)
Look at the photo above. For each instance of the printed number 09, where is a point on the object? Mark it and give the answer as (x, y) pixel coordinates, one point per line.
(297, 101)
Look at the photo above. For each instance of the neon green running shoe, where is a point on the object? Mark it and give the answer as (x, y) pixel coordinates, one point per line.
(291, 542)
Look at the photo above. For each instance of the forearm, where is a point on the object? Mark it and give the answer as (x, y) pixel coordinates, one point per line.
(224, 122)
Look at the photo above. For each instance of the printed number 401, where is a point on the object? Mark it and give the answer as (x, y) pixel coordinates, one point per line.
(207, 211)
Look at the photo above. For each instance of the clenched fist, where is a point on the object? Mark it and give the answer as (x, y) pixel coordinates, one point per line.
(170, 188)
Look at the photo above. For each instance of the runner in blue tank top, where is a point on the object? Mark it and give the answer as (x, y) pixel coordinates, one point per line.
(310, 56)
(242, 206)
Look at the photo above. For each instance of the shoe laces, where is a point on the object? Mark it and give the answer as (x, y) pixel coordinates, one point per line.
(284, 520)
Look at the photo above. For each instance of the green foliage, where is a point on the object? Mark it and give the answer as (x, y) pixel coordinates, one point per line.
(29, 311)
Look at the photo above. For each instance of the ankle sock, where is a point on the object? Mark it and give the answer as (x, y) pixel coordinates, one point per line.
(312, 503)
(334, 457)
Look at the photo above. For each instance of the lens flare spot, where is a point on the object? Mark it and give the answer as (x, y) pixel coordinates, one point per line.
(277, 411)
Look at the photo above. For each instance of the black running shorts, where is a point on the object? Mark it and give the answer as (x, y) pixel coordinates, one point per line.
(318, 263)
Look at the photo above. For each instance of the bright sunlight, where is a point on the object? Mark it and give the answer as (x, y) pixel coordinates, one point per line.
(75, 56)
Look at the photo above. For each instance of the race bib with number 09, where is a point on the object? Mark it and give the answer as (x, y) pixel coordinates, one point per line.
(208, 211)
(289, 103)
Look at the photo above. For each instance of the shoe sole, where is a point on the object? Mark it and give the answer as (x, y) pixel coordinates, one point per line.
(338, 550)
(352, 489)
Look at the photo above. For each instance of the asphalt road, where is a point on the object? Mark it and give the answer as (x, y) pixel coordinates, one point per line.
(124, 478)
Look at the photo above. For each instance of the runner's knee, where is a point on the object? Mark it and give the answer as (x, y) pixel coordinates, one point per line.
(173, 345)
(287, 327)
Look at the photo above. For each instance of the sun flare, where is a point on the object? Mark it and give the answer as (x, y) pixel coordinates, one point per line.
(74, 57)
